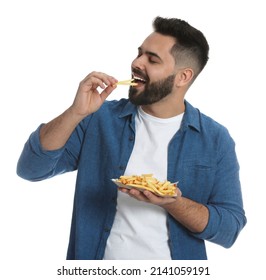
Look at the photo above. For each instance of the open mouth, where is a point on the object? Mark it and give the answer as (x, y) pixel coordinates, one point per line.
(138, 80)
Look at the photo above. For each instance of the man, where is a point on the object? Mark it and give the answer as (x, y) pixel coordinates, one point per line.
(156, 131)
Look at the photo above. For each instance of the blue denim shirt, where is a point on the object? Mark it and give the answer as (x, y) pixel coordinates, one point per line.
(201, 156)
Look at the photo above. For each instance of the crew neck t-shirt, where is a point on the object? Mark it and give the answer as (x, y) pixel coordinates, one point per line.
(140, 229)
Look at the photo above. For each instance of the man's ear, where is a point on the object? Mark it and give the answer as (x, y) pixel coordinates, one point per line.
(184, 77)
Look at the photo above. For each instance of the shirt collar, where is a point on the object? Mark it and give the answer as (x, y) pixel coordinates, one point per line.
(190, 119)
(128, 109)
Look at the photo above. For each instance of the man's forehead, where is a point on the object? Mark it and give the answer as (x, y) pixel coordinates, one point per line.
(157, 42)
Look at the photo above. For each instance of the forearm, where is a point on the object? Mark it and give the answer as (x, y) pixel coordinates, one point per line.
(34, 163)
(55, 134)
(88, 100)
(192, 215)
(39, 161)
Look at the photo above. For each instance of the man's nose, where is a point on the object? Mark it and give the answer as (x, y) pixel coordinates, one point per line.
(139, 63)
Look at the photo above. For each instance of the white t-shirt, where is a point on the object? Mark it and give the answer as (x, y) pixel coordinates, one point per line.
(140, 229)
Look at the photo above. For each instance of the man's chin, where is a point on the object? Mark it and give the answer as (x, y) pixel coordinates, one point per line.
(140, 102)
(134, 96)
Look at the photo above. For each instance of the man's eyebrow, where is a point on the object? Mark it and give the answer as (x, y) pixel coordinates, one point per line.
(150, 53)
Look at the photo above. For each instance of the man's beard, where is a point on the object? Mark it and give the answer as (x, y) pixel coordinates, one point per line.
(153, 92)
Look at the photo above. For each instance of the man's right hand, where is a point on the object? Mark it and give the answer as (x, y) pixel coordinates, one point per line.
(88, 99)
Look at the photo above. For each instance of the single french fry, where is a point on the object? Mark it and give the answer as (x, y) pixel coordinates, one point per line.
(127, 83)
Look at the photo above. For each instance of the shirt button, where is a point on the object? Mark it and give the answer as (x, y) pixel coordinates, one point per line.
(121, 167)
(106, 229)
(131, 138)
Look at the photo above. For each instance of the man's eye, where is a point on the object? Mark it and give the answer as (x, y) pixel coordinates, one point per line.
(152, 61)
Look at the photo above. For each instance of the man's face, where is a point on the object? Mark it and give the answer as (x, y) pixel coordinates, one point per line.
(154, 70)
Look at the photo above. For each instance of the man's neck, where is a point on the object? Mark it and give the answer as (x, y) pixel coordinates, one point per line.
(165, 109)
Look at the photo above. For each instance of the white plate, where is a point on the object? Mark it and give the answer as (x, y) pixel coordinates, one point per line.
(129, 187)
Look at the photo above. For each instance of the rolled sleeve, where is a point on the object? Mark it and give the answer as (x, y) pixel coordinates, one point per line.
(225, 205)
(223, 226)
(35, 163)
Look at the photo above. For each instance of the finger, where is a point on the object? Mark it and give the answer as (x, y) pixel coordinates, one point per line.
(104, 78)
(152, 197)
(158, 200)
(138, 195)
(107, 91)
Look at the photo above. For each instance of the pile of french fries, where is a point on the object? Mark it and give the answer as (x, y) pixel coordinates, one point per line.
(150, 183)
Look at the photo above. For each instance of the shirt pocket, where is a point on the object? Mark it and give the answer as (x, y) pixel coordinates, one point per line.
(197, 179)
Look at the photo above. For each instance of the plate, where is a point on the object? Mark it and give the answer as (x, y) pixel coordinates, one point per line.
(139, 188)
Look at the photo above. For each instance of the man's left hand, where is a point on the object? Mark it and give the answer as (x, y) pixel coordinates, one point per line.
(149, 197)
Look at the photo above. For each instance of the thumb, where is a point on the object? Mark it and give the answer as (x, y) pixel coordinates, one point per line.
(107, 91)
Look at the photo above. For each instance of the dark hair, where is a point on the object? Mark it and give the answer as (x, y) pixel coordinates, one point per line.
(191, 45)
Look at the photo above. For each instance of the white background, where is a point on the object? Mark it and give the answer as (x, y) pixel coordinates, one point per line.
(47, 47)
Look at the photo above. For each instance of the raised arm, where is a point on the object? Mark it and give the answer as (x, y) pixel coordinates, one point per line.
(54, 147)
(55, 134)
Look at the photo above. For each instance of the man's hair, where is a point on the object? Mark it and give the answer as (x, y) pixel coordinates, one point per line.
(191, 48)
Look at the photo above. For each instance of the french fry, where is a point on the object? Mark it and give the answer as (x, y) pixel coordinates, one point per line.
(150, 183)
(127, 83)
